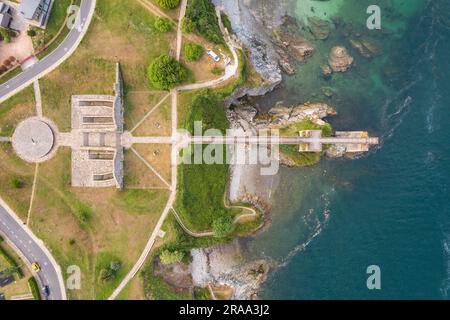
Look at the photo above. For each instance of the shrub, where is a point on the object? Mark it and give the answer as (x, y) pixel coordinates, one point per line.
(168, 4)
(109, 273)
(17, 183)
(166, 73)
(31, 33)
(193, 51)
(223, 226)
(170, 257)
(32, 283)
(162, 25)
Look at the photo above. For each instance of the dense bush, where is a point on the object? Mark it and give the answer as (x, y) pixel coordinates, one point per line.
(193, 51)
(32, 283)
(201, 17)
(223, 226)
(168, 4)
(166, 73)
(16, 183)
(169, 257)
(162, 24)
(6, 35)
(110, 272)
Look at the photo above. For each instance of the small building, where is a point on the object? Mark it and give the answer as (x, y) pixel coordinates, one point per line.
(5, 15)
(36, 12)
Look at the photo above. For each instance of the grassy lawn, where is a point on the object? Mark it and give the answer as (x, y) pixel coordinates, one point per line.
(158, 123)
(201, 188)
(12, 169)
(303, 159)
(138, 104)
(117, 226)
(16, 109)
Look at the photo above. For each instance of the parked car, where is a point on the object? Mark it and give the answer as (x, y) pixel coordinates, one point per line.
(213, 55)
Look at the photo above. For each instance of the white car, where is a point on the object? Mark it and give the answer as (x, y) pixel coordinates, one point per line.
(213, 55)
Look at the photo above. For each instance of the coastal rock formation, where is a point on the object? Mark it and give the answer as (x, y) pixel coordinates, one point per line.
(178, 275)
(319, 28)
(252, 22)
(273, 38)
(247, 117)
(281, 116)
(340, 60)
(225, 264)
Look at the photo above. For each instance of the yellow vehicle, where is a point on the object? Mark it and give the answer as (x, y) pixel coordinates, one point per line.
(36, 267)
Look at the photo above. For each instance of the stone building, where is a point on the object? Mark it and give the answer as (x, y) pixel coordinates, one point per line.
(97, 127)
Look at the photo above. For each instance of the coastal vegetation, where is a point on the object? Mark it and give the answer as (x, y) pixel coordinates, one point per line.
(162, 24)
(32, 283)
(201, 18)
(168, 4)
(193, 51)
(166, 73)
(169, 257)
(303, 159)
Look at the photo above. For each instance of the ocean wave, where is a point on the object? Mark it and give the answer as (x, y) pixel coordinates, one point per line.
(445, 287)
(319, 221)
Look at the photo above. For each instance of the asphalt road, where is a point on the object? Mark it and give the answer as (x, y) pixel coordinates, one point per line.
(30, 249)
(50, 61)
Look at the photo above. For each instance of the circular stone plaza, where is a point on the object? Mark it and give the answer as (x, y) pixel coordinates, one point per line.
(34, 140)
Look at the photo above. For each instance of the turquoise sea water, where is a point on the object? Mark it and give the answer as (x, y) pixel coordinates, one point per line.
(391, 207)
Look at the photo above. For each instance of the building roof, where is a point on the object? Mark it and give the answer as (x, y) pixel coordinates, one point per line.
(28, 8)
(5, 20)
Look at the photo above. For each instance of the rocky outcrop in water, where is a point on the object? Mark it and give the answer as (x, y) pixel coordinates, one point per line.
(339, 59)
(224, 264)
(319, 28)
(274, 39)
(248, 118)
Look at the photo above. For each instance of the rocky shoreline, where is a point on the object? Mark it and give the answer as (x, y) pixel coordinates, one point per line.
(277, 44)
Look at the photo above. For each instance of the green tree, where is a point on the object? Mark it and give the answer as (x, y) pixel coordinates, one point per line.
(166, 73)
(193, 51)
(222, 226)
(170, 257)
(31, 33)
(162, 24)
(168, 4)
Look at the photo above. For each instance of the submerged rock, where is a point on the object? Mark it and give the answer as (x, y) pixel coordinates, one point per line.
(340, 60)
(365, 47)
(319, 28)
